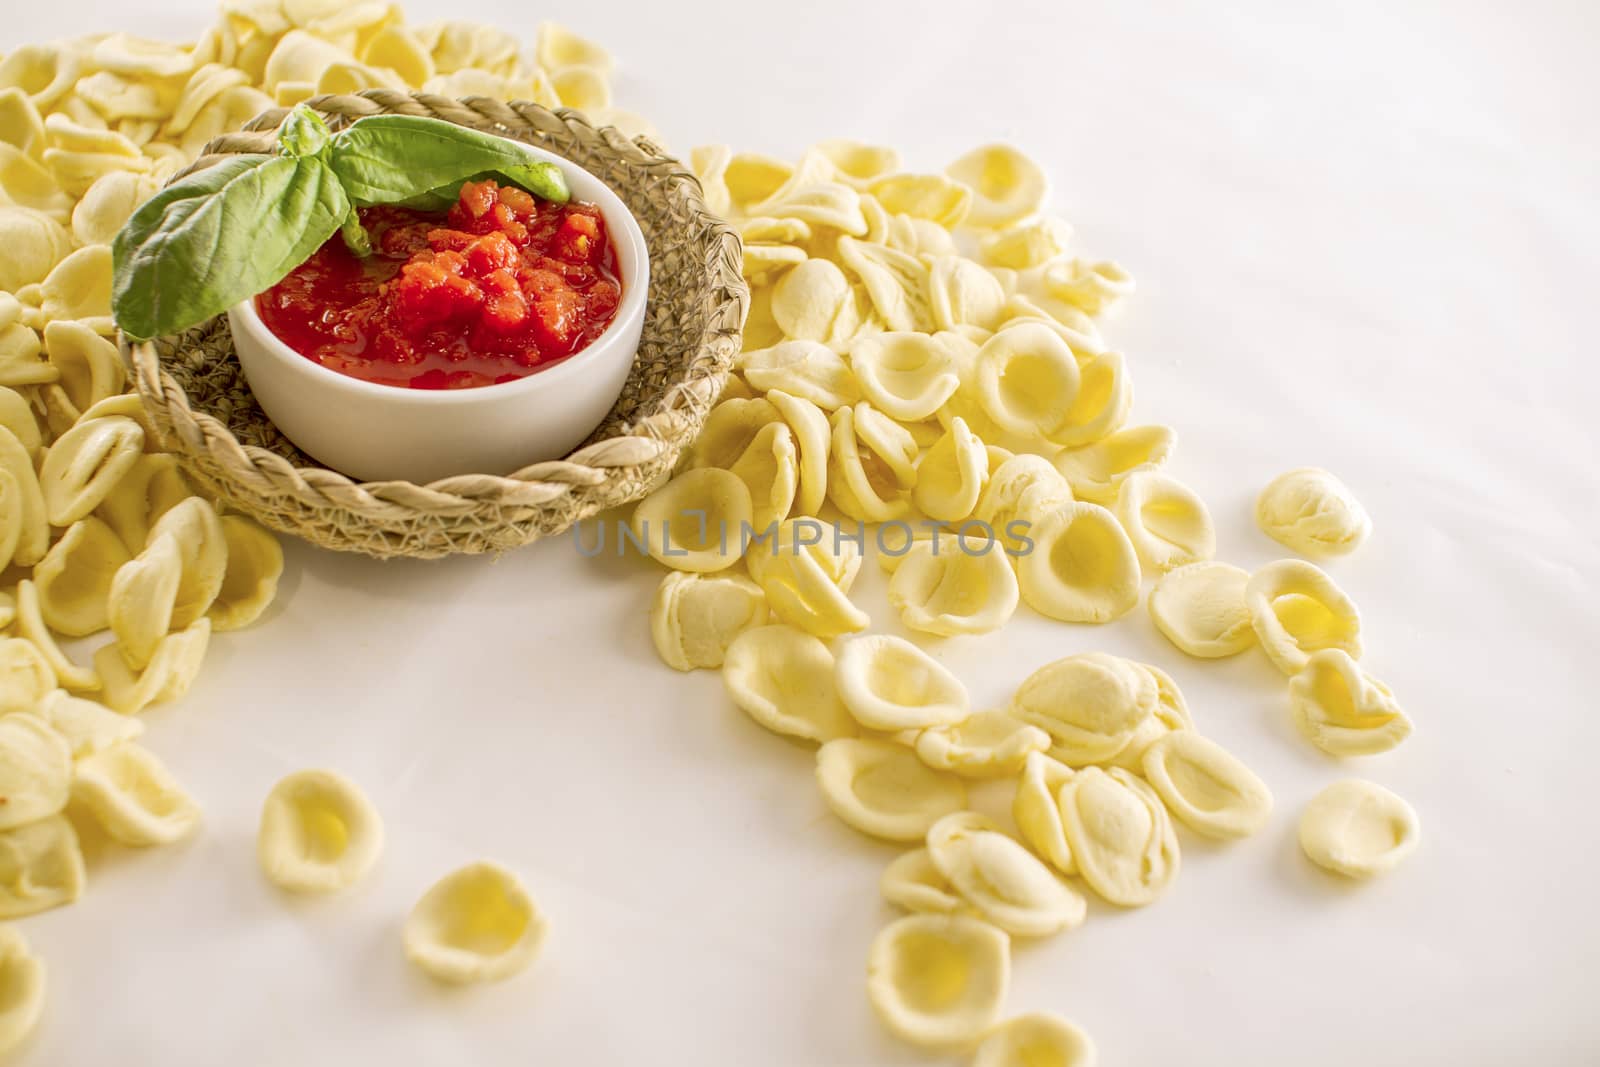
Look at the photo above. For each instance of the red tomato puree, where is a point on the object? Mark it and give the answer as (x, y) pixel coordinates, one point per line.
(501, 286)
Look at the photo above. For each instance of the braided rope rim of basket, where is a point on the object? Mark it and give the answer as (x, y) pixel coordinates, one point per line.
(396, 518)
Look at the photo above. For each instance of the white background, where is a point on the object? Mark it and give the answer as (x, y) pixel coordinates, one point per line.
(1365, 238)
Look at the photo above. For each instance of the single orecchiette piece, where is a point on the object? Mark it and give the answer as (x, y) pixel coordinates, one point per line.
(762, 263)
(1027, 244)
(24, 511)
(1034, 1040)
(924, 196)
(153, 486)
(1096, 471)
(85, 464)
(75, 577)
(912, 882)
(807, 579)
(750, 178)
(939, 980)
(807, 369)
(1206, 786)
(86, 726)
(141, 597)
(41, 867)
(728, 431)
(1297, 610)
(255, 563)
(203, 547)
(871, 465)
(783, 679)
(695, 521)
(1200, 608)
(907, 376)
(1037, 809)
(35, 770)
(1007, 186)
(890, 684)
(896, 283)
(1358, 829)
(856, 163)
(20, 364)
(1170, 714)
(476, 924)
(1343, 710)
(988, 744)
(951, 475)
(21, 982)
(1006, 883)
(1167, 521)
(1105, 396)
(89, 365)
(882, 789)
(559, 47)
(25, 675)
(769, 468)
(813, 441)
(319, 833)
(133, 796)
(10, 517)
(1121, 836)
(962, 293)
(581, 87)
(1090, 287)
(1091, 704)
(34, 244)
(694, 618)
(807, 300)
(79, 287)
(944, 588)
(1312, 511)
(31, 627)
(1027, 380)
(1082, 567)
(45, 72)
(1021, 490)
(171, 670)
(17, 416)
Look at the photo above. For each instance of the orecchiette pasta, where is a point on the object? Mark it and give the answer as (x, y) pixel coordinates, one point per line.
(1006, 185)
(962, 293)
(15, 414)
(86, 727)
(31, 627)
(250, 580)
(871, 467)
(1027, 380)
(1096, 471)
(319, 833)
(559, 47)
(1206, 786)
(25, 503)
(1201, 609)
(806, 369)
(988, 744)
(1005, 882)
(751, 178)
(813, 441)
(1082, 567)
(1091, 705)
(1027, 244)
(1358, 829)
(74, 578)
(807, 300)
(25, 675)
(890, 684)
(807, 579)
(171, 670)
(695, 618)
(89, 366)
(939, 980)
(1121, 836)
(1035, 1040)
(907, 376)
(943, 588)
(769, 468)
(912, 882)
(1021, 491)
(34, 244)
(20, 364)
(21, 972)
(1090, 287)
(476, 924)
(856, 163)
(1104, 399)
(1312, 511)
(729, 429)
(924, 196)
(1167, 521)
(203, 548)
(1342, 709)
(153, 486)
(783, 679)
(896, 283)
(41, 867)
(141, 597)
(694, 522)
(883, 790)
(1037, 809)
(951, 474)
(1297, 610)
(133, 796)
(35, 769)
(79, 287)
(85, 464)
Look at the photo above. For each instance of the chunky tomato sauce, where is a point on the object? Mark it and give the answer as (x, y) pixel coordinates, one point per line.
(499, 287)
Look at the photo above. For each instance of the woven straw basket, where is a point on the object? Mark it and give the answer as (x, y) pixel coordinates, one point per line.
(197, 397)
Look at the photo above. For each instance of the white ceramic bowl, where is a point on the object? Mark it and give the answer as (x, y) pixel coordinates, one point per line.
(375, 432)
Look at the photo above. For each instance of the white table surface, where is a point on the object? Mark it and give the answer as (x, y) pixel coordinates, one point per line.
(1365, 238)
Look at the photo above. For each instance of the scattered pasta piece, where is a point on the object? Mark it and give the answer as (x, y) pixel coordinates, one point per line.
(1105, 397)
(31, 627)
(883, 790)
(1007, 186)
(86, 727)
(1167, 521)
(695, 617)
(1343, 710)
(41, 867)
(872, 466)
(932, 197)
(1313, 512)
(1037, 1039)
(1297, 610)
(907, 376)
(1082, 567)
(770, 469)
(141, 598)
(1096, 471)
(813, 440)
(783, 679)
(988, 744)
(939, 980)
(133, 796)
(1027, 244)
(890, 684)
(22, 521)
(250, 578)
(1358, 829)
(1121, 836)
(941, 587)
(807, 300)
(912, 882)
(203, 546)
(74, 578)
(1090, 287)
(694, 522)
(807, 579)
(1206, 786)
(1091, 704)
(22, 982)
(951, 474)
(477, 924)
(1021, 490)
(25, 675)
(1027, 380)
(35, 770)
(170, 672)
(1037, 810)
(1005, 882)
(319, 833)
(807, 369)
(729, 430)
(1201, 609)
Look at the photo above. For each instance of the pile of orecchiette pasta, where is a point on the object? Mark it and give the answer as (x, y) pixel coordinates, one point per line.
(99, 531)
(923, 369)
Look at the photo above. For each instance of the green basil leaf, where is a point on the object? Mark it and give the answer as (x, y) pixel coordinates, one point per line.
(220, 236)
(303, 133)
(390, 159)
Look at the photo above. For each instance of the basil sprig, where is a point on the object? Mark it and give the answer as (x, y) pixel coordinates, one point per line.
(224, 234)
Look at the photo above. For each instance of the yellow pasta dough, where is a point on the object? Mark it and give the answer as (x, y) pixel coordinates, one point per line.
(939, 980)
(250, 578)
(85, 464)
(319, 833)
(1105, 396)
(729, 430)
(476, 924)
(907, 376)
(1167, 522)
(133, 796)
(871, 465)
(807, 300)
(890, 684)
(1096, 471)
(806, 572)
(1091, 287)
(1313, 512)
(951, 474)
(694, 617)
(883, 790)
(559, 47)
(783, 679)
(770, 469)
(1206, 786)
(1297, 610)
(74, 578)
(813, 441)
(807, 369)
(1037, 1039)
(41, 867)
(153, 486)
(89, 366)
(1027, 380)
(22, 983)
(693, 523)
(1091, 704)
(1082, 567)
(203, 546)
(1201, 609)
(1037, 811)
(79, 287)
(987, 744)
(1122, 839)
(945, 589)
(1342, 709)
(962, 293)
(856, 163)
(933, 197)
(35, 770)
(1006, 185)
(1358, 829)
(171, 670)
(1006, 883)
(896, 283)
(141, 597)
(912, 882)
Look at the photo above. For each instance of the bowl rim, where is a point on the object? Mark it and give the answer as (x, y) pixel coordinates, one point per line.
(635, 295)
